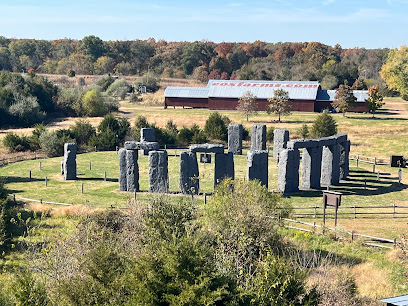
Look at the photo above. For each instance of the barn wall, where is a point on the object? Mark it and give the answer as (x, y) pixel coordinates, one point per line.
(322, 105)
(232, 103)
(186, 102)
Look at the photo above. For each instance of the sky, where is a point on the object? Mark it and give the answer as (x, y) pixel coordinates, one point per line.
(369, 24)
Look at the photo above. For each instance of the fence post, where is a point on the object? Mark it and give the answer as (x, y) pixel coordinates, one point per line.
(14, 197)
(35, 155)
(315, 211)
(46, 181)
(95, 148)
(104, 177)
(365, 184)
(399, 176)
(352, 236)
(135, 196)
(82, 188)
(378, 176)
(205, 198)
(40, 166)
(358, 157)
(393, 212)
(354, 210)
(395, 242)
(90, 165)
(30, 175)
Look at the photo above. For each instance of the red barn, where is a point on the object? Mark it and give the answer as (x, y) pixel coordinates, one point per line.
(224, 95)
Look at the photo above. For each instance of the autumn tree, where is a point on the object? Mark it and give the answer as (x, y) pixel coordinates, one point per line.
(344, 99)
(247, 104)
(279, 104)
(395, 70)
(375, 100)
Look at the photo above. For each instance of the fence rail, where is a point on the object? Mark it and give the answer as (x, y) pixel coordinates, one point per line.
(353, 235)
(18, 158)
(369, 160)
(316, 211)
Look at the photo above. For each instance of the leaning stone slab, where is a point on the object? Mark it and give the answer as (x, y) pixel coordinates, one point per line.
(258, 137)
(302, 143)
(147, 135)
(330, 174)
(235, 138)
(207, 148)
(280, 139)
(158, 172)
(288, 170)
(188, 180)
(224, 167)
(70, 150)
(257, 166)
(132, 170)
(122, 170)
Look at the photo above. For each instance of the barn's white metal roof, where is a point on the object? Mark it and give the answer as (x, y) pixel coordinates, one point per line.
(328, 95)
(186, 92)
(298, 90)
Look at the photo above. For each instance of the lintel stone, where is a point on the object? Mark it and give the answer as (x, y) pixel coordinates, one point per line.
(207, 148)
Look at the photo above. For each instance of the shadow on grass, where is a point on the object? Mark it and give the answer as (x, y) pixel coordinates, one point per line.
(19, 179)
(379, 119)
(100, 179)
(360, 182)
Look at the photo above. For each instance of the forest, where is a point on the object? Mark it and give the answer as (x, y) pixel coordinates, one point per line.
(201, 60)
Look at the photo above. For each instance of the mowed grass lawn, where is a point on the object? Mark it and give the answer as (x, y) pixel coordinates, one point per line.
(100, 193)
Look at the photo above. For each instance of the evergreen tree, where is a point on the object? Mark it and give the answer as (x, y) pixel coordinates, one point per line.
(324, 126)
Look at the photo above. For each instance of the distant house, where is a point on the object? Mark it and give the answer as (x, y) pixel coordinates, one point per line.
(305, 96)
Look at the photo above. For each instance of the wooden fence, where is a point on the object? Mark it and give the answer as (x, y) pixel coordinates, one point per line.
(355, 211)
(369, 160)
(18, 158)
(341, 234)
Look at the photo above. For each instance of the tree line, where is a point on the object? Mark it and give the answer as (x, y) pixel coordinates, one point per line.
(201, 60)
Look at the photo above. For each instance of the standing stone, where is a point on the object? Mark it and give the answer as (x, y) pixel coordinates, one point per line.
(280, 139)
(258, 137)
(158, 172)
(224, 167)
(288, 171)
(257, 166)
(122, 170)
(132, 170)
(188, 180)
(62, 167)
(70, 150)
(330, 174)
(147, 135)
(235, 138)
(311, 167)
(344, 159)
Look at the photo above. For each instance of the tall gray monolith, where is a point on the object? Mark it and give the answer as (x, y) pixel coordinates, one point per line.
(257, 166)
(311, 167)
(280, 139)
(132, 170)
(122, 170)
(288, 171)
(224, 167)
(188, 180)
(330, 174)
(235, 138)
(258, 137)
(70, 171)
(147, 135)
(344, 159)
(158, 172)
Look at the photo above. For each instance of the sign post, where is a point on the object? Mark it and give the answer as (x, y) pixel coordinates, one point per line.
(333, 199)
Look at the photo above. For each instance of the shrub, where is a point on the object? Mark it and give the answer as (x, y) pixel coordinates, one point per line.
(151, 81)
(120, 127)
(104, 82)
(16, 143)
(245, 133)
(26, 109)
(269, 134)
(324, 126)
(198, 135)
(51, 144)
(29, 291)
(140, 122)
(304, 131)
(70, 101)
(185, 136)
(92, 104)
(119, 88)
(216, 126)
(82, 131)
(35, 137)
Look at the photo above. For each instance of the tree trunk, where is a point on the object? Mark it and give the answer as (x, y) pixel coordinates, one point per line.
(279, 117)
